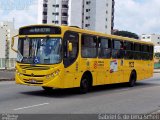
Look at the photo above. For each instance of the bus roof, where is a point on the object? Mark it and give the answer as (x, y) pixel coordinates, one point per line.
(79, 30)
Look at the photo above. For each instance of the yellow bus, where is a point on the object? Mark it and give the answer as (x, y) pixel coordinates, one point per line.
(69, 57)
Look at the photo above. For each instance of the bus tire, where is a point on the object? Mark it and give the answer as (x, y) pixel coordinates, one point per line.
(85, 85)
(48, 89)
(132, 80)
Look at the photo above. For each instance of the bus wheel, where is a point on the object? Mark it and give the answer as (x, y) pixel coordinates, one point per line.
(48, 89)
(85, 85)
(132, 80)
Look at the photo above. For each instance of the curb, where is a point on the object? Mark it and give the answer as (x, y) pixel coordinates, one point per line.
(3, 80)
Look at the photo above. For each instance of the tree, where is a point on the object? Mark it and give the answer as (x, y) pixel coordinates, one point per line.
(157, 55)
(126, 34)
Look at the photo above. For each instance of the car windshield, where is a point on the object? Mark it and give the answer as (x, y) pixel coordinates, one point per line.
(39, 50)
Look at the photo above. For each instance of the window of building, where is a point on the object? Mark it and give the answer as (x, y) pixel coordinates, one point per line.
(70, 57)
(64, 6)
(45, 5)
(89, 46)
(143, 38)
(87, 25)
(87, 10)
(64, 22)
(44, 13)
(88, 2)
(44, 21)
(148, 37)
(87, 17)
(57, 13)
(118, 49)
(57, 5)
(104, 48)
(64, 14)
(56, 22)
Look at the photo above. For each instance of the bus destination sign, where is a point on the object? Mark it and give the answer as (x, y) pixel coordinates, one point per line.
(33, 30)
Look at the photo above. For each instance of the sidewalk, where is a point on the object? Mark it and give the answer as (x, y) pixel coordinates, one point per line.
(7, 75)
(156, 70)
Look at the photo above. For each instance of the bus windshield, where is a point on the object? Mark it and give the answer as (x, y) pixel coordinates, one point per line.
(39, 50)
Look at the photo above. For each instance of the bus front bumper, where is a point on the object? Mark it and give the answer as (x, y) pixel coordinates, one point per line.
(55, 82)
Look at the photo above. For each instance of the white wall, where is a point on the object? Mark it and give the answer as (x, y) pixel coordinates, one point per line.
(40, 11)
(7, 31)
(151, 38)
(75, 13)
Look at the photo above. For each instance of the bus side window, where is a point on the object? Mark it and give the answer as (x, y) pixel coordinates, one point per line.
(145, 52)
(104, 48)
(138, 55)
(89, 46)
(151, 51)
(70, 56)
(118, 49)
(128, 46)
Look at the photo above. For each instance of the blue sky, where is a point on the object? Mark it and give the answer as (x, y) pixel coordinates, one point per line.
(24, 12)
(139, 16)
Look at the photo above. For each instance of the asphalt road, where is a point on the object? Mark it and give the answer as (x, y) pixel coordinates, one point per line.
(144, 98)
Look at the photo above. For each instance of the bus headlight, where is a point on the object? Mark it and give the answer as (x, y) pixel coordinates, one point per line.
(19, 74)
(56, 72)
(53, 74)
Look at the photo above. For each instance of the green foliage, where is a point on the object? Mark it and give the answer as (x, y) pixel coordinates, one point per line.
(126, 34)
(157, 55)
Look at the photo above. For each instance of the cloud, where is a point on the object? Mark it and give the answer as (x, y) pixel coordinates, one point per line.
(139, 16)
(22, 17)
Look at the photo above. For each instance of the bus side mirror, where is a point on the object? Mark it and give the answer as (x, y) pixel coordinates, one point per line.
(12, 44)
(70, 47)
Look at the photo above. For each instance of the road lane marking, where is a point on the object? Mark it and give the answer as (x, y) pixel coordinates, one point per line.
(30, 106)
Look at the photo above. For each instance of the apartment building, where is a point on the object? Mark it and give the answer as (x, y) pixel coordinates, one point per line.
(154, 38)
(7, 56)
(97, 15)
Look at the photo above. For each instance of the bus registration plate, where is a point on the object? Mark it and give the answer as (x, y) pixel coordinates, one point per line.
(32, 81)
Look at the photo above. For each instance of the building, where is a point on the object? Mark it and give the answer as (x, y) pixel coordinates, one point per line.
(151, 38)
(154, 38)
(97, 15)
(7, 56)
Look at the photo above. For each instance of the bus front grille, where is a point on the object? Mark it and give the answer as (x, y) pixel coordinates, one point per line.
(34, 75)
(34, 67)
